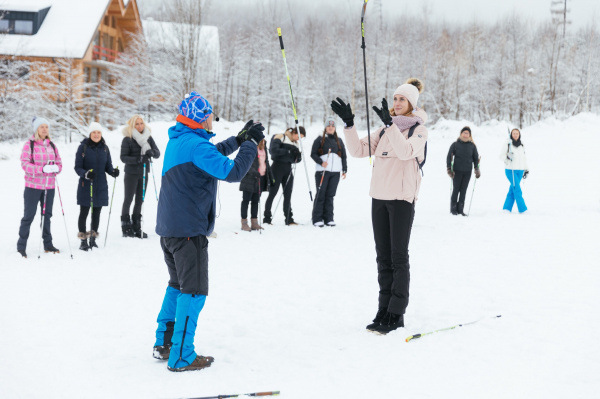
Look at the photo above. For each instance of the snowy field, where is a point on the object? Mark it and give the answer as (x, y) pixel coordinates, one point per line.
(287, 308)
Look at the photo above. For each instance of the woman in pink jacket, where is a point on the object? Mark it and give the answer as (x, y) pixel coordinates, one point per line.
(41, 162)
(394, 188)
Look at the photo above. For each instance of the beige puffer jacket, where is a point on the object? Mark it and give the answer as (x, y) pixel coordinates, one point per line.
(396, 174)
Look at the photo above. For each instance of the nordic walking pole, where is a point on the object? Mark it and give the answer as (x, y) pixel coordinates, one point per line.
(270, 393)
(295, 115)
(364, 47)
(322, 176)
(143, 199)
(43, 215)
(473, 192)
(259, 205)
(153, 178)
(408, 339)
(110, 210)
(64, 218)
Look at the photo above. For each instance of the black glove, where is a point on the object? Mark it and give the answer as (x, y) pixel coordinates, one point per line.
(255, 133)
(477, 173)
(149, 154)
(143, 159)
(90, 174)
(344, 111)
(241, 136)
(384, 113)
(115, 173)
(293, 150)
(525, 174)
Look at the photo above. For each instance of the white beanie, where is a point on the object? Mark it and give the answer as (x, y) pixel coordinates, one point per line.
(329, 120)
(37, 122)
(410, 92)
(93, 127)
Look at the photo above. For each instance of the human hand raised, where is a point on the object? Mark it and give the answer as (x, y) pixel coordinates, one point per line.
(343, 110)
(384, 113)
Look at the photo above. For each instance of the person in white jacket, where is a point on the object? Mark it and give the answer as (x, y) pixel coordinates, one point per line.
(515, 160)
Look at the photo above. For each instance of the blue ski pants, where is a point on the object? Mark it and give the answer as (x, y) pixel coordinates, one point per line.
(514, 192)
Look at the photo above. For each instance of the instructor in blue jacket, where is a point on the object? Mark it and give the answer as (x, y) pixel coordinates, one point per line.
(186, 216)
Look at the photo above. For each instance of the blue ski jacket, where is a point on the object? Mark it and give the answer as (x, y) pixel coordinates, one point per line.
(191, 169)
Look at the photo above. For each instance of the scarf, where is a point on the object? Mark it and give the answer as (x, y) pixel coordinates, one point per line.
(517, 142)
(141, 139)
(406, 122)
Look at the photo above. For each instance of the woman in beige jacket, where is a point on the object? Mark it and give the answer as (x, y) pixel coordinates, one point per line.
(394, 188)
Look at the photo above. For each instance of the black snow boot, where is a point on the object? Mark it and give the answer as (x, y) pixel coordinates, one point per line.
(84, 244)
(93, 235)
(454, 208)
(51, 248)
(378, 318)
(137, 226)
(390, 322)
(460, 208)
(126, 226)
(268, 219)
(22, 252)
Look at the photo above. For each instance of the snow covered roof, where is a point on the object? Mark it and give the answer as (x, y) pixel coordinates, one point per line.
(67, 30)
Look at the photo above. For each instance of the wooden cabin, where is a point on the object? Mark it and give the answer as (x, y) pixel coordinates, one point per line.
(73, 40)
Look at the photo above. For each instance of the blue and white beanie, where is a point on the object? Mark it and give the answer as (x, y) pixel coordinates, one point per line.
(195, 107)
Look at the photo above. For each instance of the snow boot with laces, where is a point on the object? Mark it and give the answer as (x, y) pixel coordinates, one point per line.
(84, 244)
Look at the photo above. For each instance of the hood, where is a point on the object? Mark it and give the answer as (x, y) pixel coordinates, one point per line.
(421, 114)
(181, 129)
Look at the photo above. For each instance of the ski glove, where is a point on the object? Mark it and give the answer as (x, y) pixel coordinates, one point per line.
(384, 113)
(241, 136)
(525, 174)
(143, 159)
(343, 110)
(450, 173)
(255, 133)
(50, 169)
(477, 173)
(115, 173)
(90, 174)
(150, 154)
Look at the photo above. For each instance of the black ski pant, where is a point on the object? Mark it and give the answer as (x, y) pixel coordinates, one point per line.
(323, 206)
(253, 199)
(282, 173)
(187, 263)
(83, 214)
(460, 184)
(392, 224)
(134, 187)
(31, 198)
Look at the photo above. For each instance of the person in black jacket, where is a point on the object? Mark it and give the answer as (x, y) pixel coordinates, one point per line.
(465, 154)
(92, 163)
(285, 151)
(329, 152)
(137, 150)
(257, 180)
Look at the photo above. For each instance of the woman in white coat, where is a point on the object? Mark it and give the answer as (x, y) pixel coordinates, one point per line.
(515, 161)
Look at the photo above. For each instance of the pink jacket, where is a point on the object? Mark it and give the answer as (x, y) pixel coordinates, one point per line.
(43, 153)
(396, 174)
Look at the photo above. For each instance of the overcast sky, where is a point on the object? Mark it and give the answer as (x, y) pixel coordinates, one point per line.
(582, 11)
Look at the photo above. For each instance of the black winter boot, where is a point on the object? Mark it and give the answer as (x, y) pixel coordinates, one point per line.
(378, 318)
(126, 226)
(84, 244)
(268, 219)
(390, 322)
(137, 226)
(454, 208)
(93, 235)
(460, 208)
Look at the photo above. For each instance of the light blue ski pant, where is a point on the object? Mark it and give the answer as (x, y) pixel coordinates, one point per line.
(514, 192)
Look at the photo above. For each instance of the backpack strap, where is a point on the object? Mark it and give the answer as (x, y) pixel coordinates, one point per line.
(410, 133)
(31, 145)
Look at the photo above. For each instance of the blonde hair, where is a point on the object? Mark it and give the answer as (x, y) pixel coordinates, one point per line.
(128, 131)
(38, 138)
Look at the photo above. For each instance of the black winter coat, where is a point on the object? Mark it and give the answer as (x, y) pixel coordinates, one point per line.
(330, 143)
(250, 181)
(281, 151)
(465, 154)
(130, 155)
(95, 156)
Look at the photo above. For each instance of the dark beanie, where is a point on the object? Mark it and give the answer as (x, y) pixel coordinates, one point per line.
(467, 128)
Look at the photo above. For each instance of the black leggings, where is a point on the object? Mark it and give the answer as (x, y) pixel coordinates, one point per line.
(460, 184)
(83, 214)
(133, 187)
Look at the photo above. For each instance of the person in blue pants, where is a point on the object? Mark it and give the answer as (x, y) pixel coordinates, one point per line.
(515, 161)
(186, 216)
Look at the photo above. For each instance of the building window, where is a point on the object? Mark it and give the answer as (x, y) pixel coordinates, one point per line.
(4, 27)
(24, 27)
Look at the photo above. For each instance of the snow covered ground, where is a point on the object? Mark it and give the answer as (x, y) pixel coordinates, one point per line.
(287, 308)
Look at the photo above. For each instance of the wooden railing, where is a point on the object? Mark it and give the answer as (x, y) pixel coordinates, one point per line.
(104, 54)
